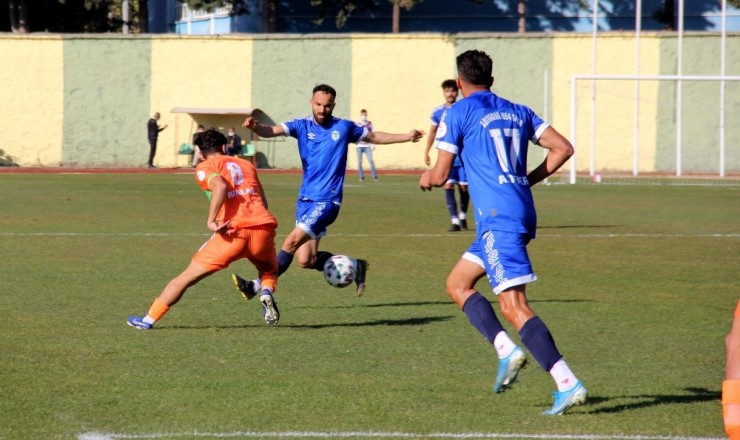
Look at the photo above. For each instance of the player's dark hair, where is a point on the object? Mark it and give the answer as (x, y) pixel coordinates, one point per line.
(449, 84)
(210, 141)
(475, 67)
(326, 88)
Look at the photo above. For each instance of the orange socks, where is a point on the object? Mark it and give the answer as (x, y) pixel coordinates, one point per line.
(269, 281)
(157, 310)
(731, 408)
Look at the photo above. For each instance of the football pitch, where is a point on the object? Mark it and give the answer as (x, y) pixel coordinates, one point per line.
(637, 283)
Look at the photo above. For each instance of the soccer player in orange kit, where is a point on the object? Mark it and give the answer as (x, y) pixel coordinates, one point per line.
(731, 384)
(241, 224)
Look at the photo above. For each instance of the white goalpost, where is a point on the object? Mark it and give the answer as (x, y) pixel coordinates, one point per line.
(638, 78)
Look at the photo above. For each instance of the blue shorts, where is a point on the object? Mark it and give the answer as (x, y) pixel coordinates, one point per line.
(504, 257)
(457, 175)
(315, 217)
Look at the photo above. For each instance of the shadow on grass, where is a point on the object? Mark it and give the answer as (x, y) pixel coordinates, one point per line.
(398, 304)
(375, 323)
(648, 400)
(559, 300)
(379, 322)
(432, 303)
(577, 227)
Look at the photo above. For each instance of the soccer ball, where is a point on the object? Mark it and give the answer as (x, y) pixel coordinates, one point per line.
(339, 271)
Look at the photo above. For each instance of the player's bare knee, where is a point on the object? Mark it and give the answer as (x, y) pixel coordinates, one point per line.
(306, 263)
(290, 245)
(458, 292)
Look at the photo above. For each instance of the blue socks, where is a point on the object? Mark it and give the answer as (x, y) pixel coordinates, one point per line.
(321, 259)
(284, 260)
(534, 334)
(451, 203)
(482, 317)
(464, 200)
(538, 340)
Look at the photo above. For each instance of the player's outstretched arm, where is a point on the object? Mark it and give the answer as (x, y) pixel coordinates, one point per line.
(264, 131)
(438, 175)
(382, 138)
(560, 151)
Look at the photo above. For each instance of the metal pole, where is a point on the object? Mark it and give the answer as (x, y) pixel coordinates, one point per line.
(722, 92)
(659, 77)
(679, 88)
(545, 109)
(125, 16)
(636, 128)
(595, 31)
(573, 136)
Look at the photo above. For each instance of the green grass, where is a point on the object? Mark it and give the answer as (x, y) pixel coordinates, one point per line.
(637, 284)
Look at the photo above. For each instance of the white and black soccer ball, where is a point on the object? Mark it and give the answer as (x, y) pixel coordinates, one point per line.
(339, 271)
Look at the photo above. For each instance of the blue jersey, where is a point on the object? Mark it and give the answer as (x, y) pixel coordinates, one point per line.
(436, 117)
(491, 135)
(323, 151)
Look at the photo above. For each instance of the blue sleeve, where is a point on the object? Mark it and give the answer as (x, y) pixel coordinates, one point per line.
(435, 117)
(356, 133)
(538, 125)
(448, 131)
(292, 127)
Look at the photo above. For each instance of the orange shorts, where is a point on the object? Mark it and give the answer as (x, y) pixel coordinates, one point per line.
(255, 244)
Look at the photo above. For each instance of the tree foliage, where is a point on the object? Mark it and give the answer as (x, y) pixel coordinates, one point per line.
(99, 16)
(341, 10)
(237, 6)
(67, 16)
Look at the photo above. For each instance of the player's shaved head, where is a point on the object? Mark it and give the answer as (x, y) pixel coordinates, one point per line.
(475, 67)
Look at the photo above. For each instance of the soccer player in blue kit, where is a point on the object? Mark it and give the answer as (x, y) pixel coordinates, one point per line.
(457, 176)
(322, 144)
(491, 135)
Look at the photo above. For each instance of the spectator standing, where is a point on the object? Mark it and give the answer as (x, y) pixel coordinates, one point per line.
(153, 130)
(366, 148)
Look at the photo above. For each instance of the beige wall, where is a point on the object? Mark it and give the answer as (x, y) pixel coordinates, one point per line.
(403, 96)
(197, 72)
(84, 100)
(31, 113)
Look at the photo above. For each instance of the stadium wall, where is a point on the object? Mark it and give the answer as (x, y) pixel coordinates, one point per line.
(84, 100)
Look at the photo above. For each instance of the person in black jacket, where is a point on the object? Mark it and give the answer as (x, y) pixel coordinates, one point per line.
(153, 130)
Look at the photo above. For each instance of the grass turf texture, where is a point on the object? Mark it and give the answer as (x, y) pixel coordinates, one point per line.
(636, 289)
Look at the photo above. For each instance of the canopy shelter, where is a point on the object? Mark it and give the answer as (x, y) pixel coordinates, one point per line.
(220, 118)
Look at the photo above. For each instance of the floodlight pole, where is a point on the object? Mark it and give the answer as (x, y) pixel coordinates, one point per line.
(594, 38)
(679, 88)
(722, 92)
(636, 128)
(125, 16)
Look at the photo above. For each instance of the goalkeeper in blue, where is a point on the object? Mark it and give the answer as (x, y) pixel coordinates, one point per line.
(491, 136)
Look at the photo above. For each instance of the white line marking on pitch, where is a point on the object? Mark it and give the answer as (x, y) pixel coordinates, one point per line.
(372, 434)
(180, 234)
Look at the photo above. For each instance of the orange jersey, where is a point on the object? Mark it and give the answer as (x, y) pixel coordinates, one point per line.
(244, 205)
